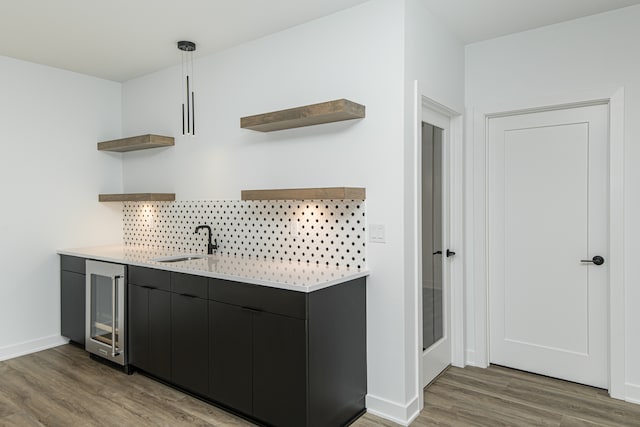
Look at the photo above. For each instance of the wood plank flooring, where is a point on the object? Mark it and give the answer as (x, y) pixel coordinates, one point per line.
(500, 396)
(63, 387)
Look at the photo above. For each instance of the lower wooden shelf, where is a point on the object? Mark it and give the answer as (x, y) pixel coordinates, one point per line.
(141, 142)
(326, 193)
(137, 197)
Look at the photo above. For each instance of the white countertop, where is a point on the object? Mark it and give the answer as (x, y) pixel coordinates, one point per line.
(294, 276)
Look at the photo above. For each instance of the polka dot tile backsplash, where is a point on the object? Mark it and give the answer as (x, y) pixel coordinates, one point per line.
(320, 232)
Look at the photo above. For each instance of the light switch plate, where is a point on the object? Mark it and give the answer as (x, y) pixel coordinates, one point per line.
(377, 233)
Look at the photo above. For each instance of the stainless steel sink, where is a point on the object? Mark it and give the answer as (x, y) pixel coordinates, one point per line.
(179, 258)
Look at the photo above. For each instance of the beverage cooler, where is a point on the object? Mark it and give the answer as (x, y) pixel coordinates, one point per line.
(105, 328)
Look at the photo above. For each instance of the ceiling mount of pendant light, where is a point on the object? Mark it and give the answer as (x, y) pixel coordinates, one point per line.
(188, 93)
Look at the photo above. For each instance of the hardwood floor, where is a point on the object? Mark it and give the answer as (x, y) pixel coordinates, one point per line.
(500, 396)
(63, 387)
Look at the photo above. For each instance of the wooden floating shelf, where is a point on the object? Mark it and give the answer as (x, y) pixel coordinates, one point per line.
(315, 114)
(330, 193)
(137, 197)
(141, 142)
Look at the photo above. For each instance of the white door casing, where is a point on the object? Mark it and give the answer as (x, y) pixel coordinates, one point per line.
(476, 259)
(547, 210)
(450, 350)
(424, 105)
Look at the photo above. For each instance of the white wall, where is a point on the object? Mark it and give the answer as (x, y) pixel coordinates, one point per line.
(370, 54)
(434, 57)
(50, 121)
(355, 54)
(551, 65)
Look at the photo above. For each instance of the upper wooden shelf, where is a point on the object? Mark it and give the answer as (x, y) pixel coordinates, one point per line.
(315, 114)
(141, 142)
(137, 197)
(330, 193)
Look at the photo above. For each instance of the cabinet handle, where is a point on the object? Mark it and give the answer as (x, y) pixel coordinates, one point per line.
(115, 351)
(189, 295)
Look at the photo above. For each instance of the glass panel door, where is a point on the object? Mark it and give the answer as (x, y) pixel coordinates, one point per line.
(435, 266)
(432, 241)
(101, 321)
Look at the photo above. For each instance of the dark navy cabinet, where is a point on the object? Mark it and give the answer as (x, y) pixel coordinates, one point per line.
(190, 333)
(278, 357)
(169, 327)
(231, 356)
(258, 363)
(287, 358)
(72, 298)
(280, 370)
(149, 310)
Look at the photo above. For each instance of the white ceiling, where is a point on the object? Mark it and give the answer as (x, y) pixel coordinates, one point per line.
(122, 39)
(477, 20)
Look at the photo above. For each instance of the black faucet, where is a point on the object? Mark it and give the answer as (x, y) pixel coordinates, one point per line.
(210, 246)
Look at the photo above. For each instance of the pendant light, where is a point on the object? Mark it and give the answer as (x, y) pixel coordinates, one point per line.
(188, 104)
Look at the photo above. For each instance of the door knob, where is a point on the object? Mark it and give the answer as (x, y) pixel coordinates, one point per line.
(597, 260)
(450, 253)
(437, 253)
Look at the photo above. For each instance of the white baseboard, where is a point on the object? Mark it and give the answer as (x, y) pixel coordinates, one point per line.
(472, 360)
(32, 346)
(393, 411)
(632, 393)
(470, 357)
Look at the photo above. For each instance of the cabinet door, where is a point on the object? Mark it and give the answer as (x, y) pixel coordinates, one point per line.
(138, 327)
(279, 370)
(230, 348)
(72, 306)
(150, 330)
(159, 333)
(190, 343)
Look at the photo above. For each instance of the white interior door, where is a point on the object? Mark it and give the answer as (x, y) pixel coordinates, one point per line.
(435, 275)
(547, 211)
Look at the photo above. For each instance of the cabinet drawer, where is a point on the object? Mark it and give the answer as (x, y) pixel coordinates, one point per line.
(72, 263)
(150, 278)
(187, 284)
(262, 298)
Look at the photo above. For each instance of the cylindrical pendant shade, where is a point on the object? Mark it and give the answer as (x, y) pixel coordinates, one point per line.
(188, 92)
